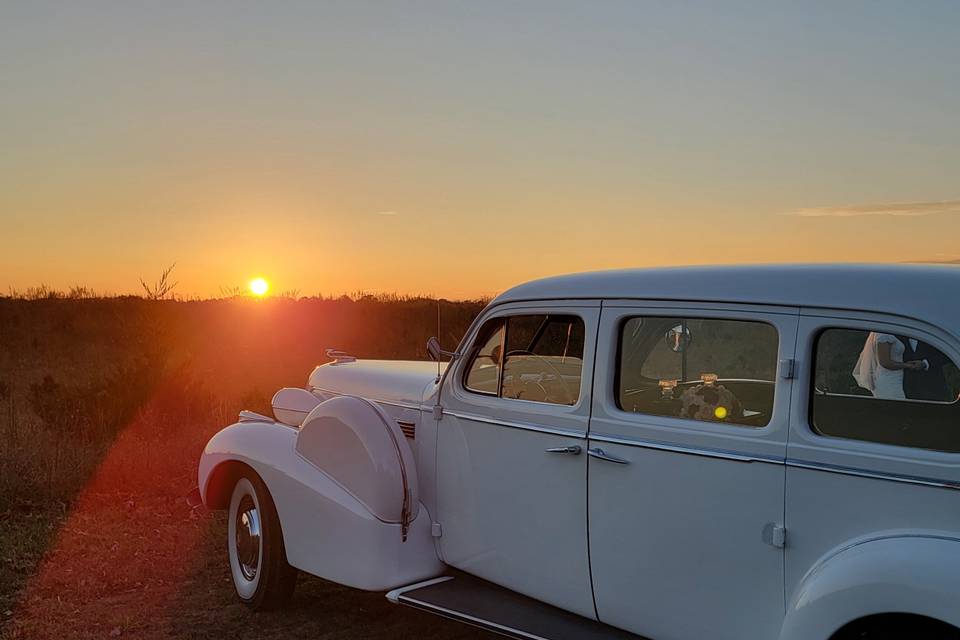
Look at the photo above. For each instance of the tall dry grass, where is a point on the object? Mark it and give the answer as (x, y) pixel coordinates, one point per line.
(76, 371)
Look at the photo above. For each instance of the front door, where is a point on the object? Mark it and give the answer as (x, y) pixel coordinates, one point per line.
(686, 469)
(511, 452)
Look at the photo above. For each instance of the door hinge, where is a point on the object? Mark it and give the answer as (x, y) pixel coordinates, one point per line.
(775, 535)
(436, 530)
(787, 367)
(437, 412)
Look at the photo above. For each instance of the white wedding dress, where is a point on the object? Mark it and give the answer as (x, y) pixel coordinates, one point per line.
(874, 377)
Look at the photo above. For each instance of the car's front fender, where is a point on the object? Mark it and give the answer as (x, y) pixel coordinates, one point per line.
(898, 573)
(327, 531)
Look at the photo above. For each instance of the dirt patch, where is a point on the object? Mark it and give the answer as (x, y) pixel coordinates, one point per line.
(153, 568)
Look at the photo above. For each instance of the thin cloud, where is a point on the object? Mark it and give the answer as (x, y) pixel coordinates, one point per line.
(388, 213)
(934, 261)
(897, 209)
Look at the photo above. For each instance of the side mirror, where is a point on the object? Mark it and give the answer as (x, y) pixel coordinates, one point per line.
(436, 352)
(678, 338)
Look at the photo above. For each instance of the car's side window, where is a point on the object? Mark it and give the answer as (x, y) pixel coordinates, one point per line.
(705, 369)
(483, 374)
(538, 358)
(884, 387)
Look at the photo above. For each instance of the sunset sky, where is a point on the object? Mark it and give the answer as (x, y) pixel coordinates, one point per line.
(456, 149)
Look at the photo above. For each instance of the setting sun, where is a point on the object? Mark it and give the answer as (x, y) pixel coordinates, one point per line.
(259, 286)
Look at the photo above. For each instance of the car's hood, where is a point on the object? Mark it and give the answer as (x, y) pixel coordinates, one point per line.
(401, 381)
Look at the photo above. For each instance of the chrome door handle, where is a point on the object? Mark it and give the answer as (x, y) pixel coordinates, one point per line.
(599, 454)
(573, 450)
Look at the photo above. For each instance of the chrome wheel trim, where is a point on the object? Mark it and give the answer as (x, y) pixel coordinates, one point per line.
(245, 564)
(247, 538)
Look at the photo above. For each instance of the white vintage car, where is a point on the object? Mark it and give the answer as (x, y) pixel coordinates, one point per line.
(727, 453)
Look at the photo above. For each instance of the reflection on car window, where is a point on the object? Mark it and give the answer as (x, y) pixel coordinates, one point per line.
(544, 358)
(538, 358)
(885, 387)
(698, 368)
(483, 375)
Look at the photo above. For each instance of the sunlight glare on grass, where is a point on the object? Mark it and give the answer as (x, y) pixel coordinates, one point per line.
(259, 287)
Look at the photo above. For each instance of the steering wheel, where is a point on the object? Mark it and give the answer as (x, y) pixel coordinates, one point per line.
(547, 396)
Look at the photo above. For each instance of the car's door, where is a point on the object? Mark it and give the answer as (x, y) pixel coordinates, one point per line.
(868, 464)
(686, 469)
(511, 463)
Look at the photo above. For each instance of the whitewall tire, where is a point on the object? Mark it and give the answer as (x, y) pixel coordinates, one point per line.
(261, 575)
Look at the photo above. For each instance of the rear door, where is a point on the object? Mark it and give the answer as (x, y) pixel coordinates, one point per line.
(865, 464)
(686, 470)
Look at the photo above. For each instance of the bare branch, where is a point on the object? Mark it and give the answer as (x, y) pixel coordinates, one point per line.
(163, 286)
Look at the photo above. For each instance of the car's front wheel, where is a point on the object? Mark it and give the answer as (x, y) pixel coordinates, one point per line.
(258, 562)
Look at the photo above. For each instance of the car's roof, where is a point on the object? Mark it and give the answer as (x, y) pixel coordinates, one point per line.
(926, 292)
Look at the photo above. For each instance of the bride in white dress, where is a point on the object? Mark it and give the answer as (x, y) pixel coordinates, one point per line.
(880, 367)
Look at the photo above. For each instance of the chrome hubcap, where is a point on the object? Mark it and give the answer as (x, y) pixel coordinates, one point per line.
(248, 538)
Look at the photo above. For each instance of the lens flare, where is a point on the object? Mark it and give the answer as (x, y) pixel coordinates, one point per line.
(259, 287)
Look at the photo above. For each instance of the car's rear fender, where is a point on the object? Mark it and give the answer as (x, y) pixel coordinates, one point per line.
(912, 573)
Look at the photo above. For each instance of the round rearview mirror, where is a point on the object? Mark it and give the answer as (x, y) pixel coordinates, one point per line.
(678, 338)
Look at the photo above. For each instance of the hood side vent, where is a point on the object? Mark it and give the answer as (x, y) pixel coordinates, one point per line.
(408, 427)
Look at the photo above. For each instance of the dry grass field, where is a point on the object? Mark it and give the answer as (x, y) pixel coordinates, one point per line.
(105, 404)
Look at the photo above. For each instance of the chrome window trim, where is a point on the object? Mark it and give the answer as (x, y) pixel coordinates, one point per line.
(526, 426)
(698, 451)
(577, 306)
(865, 321)
(691, 313)
(826, 394)
(506, 318)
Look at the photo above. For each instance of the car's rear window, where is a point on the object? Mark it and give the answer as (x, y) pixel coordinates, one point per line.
(885, 387)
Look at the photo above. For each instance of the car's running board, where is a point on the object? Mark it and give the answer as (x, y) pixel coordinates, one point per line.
(485, 605)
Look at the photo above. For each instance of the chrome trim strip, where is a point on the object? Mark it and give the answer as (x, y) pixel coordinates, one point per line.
(697, 451)
(516, 425)
(393, 596)
(876, 475)
(393, 403)
(818, 393)
(465, 617)
(790, 462)
(252, 416)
